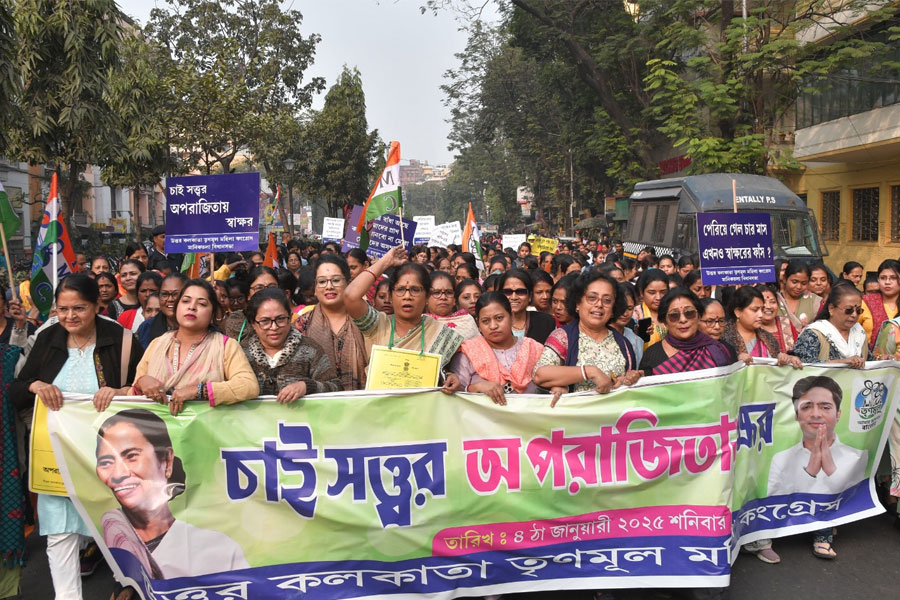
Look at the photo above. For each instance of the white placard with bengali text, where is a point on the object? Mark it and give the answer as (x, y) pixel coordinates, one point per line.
(332, 229)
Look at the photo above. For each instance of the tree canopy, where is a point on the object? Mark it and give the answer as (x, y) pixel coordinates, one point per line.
(582, 99)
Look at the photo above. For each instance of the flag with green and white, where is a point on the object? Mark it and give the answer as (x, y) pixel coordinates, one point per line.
(9, 220)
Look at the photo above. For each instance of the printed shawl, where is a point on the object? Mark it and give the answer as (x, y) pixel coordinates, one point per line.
(485, 362)
(699, 352)
(12, 514)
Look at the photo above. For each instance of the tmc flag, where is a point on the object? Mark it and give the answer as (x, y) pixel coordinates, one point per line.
(385, 197)
(52, 239)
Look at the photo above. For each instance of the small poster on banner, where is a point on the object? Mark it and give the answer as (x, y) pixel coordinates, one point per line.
(332, 229)
(212, 213)
(385, 234)
(512, 240)
(351, 237)
(735, 248)
(424, 228)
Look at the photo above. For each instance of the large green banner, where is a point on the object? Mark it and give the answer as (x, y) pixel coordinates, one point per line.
(375, 495)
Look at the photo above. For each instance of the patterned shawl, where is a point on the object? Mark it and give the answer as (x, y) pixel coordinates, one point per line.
(699, 352)
(206, 363)
(12, 514)
(346, 349)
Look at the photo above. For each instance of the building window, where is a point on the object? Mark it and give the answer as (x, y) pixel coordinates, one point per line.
(895, 213)
(831, 216)
(865, 215)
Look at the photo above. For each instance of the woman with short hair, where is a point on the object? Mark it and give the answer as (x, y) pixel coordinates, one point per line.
(287, 364)
(685, 348)
(587, 354)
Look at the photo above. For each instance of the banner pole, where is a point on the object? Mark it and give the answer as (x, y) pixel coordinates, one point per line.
(12, 283)
(212, 267)
(402, 237)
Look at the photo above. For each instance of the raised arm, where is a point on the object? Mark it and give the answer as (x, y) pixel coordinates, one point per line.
(355, 292)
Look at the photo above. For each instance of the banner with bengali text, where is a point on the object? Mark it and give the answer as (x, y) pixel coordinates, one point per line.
(416, 492)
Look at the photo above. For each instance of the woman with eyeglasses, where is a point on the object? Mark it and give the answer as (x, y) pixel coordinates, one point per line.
(329, 325)
(712, 323)
(237, 325)
(587, 354)
(744, 332)
(882, 305)
(517, 285)
(685, 348)
(496, 362)
(836, 335)
(442, 306)
(287, 364)
(409, 327)
(195, 362)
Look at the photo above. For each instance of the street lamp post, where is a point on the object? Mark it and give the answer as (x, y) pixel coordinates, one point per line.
(289, 166)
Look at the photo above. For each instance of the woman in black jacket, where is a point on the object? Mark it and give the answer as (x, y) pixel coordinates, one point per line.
(83, 353)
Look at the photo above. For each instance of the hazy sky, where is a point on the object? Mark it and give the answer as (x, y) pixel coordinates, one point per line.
(401, 53)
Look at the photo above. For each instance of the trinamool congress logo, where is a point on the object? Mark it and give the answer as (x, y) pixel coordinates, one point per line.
(869, 399)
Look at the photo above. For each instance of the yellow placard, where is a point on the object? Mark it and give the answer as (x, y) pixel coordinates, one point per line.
(392, 368)
(542, 244)
(43, 472)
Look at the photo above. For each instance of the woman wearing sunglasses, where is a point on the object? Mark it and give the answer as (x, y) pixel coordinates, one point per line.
(836, 335)
(517, 286)
(685, 348)
(442, 306)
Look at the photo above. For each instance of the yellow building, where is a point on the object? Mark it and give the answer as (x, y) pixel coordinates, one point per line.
(848, 137)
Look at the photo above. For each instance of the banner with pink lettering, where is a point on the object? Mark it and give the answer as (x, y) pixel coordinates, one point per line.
(416, 492)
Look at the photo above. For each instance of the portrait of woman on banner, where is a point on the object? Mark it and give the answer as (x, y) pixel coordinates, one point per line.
(136, 461)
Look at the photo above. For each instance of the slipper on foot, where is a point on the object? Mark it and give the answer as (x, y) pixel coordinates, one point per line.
(824, 550)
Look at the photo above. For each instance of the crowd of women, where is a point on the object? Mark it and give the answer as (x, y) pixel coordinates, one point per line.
(585, 319)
